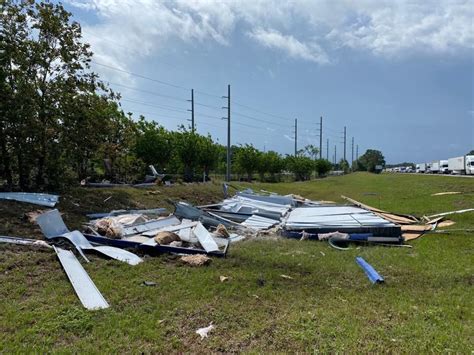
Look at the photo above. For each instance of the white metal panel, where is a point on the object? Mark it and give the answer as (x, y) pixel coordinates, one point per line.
(334, 216)
(151, 225)
(86, 290)
(259, 223)
(30, 197)
(205, 238)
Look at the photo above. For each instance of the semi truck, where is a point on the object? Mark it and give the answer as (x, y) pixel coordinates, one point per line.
(443, 167)
(434, 167)
(420, 168)
(463, 165)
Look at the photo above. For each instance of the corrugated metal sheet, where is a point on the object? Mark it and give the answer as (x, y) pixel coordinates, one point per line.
(335, 216)
(259, 223)
(29, 197)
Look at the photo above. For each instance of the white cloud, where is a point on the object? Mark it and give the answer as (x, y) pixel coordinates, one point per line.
(289, 45)
(397, 28)
(129, 30)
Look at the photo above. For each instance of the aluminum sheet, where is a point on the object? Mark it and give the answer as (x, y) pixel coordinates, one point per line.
(46, 200)
(333, 217)
(205, 238)
(150, 226)
(259, 223)
(86, 290)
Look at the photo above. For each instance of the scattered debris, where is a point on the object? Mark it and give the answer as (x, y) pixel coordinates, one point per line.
(371, 273)
(446, 193)
(322, 253)
(108, 198)
(196, 260)
(392, 217)
(223, 278)
(24, 241)
(31, 216)
(146, 212)
(149, 283)
(164, 238)
(327, 236)
(30, 197)
(203, 332)
(221, 231)
(286, 277)
(52, 226)
(452, 212)
(446, 223)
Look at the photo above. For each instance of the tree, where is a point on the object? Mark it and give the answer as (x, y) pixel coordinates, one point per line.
(274, 163)
(311, 151)
(208, 154)
(322, 167)
(344, 165)
(153, 144)
(300, 166)
(45, 72)
(247, 159)
(471, 152)
(186, 144)
(370, 159)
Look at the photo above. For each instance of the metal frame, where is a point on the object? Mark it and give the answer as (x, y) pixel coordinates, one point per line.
(153, 250)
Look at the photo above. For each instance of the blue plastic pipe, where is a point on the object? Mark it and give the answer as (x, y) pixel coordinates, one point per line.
(371, 273)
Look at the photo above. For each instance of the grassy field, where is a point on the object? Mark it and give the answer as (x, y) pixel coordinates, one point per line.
(425, 305)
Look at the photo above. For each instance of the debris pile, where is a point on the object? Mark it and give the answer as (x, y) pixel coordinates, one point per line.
(196, 233)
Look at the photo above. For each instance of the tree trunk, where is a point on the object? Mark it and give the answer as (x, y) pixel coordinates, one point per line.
(22, 174)
(188, 173)
(7, 171)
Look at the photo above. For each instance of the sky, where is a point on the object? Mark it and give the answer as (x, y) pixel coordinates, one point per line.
(399, 75)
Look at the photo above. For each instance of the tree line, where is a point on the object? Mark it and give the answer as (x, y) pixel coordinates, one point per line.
(60, 124)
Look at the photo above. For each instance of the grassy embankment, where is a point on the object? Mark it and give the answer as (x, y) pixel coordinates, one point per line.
(425, 305)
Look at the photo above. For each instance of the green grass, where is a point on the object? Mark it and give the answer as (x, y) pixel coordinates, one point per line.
(425, 305)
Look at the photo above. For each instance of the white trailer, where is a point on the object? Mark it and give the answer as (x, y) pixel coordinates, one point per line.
(434, 167)
(462, 165)
(443, 167)
(421, 168)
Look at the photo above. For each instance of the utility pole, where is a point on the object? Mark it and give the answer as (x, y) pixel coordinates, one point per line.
(357, 152)
(352, 156)
(327, 149)
(344, 143)
(321, 137)
(335, 154)
(296, 137)
(228, 170)
(192, 110)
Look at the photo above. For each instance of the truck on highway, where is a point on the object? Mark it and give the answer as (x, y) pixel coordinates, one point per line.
(434, 167)
(428, 168)
(443, 167)
(421, 168)
(462, 165)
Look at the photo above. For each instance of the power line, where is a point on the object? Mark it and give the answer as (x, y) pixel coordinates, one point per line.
(163, 107)
(140, 75)
(159, 114)
(150, 92)
(208, 106)
(259, 120)
(260, 111)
